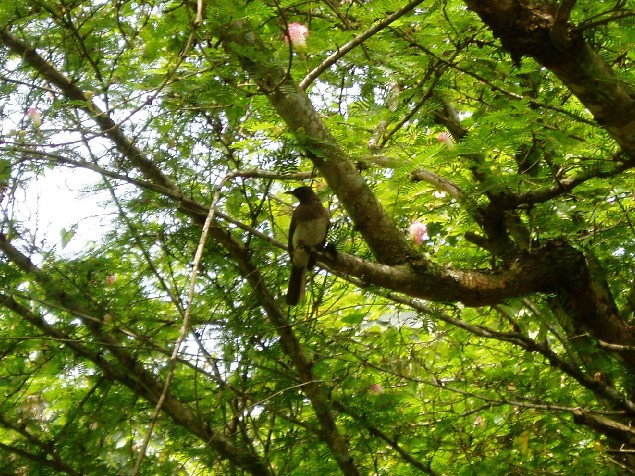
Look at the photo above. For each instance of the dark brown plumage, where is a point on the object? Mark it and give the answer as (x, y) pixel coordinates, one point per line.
(307, 234)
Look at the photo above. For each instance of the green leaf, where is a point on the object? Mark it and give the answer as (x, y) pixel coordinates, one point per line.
(67, 235)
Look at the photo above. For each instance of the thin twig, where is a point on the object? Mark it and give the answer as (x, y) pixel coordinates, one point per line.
(185, 325)
(200, 6)
(616, 347)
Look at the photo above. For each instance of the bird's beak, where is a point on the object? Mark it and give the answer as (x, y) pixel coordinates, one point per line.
(289, 192)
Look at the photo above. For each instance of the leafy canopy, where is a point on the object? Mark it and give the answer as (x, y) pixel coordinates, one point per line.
(477, 165)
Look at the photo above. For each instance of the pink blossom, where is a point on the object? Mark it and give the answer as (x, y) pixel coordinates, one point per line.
(418, 232)
(376, 389)
(35, 115)
(446, 138)
(297, 34)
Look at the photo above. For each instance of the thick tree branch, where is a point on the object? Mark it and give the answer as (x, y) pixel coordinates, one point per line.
(382, 236)
(524, 28)
(555, 268)
(534, 272)
(316, 394)
(613, 429)
(559, 33)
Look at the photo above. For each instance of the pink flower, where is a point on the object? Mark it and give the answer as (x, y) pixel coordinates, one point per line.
(297, 34)
(446, 138)
(418, 232)
(376, 389)
(35, 115)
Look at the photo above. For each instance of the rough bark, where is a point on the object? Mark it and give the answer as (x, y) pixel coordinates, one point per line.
(384, 239)
(528, 28)
(525, 28)
(543, 32)
(555, 268)
(159, 182)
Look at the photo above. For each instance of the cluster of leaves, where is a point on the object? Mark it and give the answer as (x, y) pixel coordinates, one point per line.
(441, 123)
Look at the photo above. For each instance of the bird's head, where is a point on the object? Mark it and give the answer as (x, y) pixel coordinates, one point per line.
(304, 193)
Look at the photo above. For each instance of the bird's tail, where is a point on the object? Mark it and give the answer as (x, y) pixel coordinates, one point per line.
(295, 293)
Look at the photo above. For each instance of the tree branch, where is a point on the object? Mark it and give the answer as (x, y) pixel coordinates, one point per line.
(54, 460)
(72, 92)
(358, 40)
(329, 432)
(558, 32)
(524, 29)
(293, 105)
(133, 375)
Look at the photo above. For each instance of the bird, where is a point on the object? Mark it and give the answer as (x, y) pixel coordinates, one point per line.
(307, 234)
